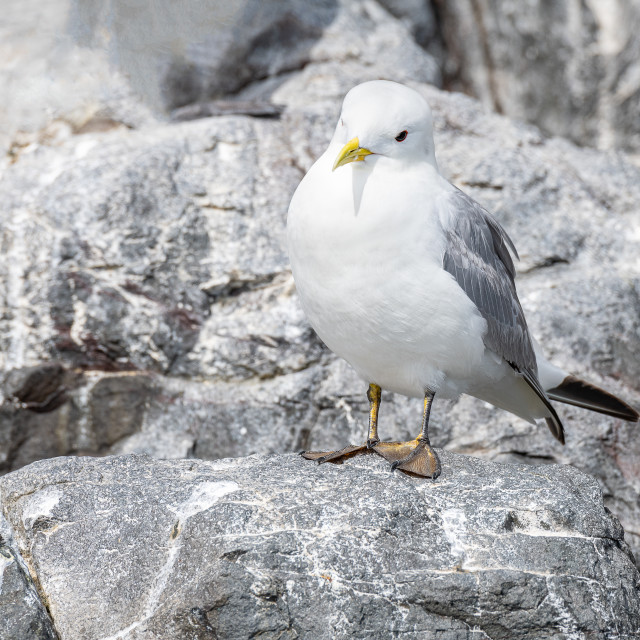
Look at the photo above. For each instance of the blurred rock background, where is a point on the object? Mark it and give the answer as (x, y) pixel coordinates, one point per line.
(149, 150)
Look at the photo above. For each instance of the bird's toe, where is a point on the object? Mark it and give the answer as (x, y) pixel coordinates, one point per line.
(334, 456)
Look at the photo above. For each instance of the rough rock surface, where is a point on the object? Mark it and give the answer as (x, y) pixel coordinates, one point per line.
(145, 298)
(23, 616)
(146, 306)
(83, 66)
(569, 67)
(278, 547)
(50, 87)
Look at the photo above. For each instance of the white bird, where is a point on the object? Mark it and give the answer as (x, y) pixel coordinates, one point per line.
(412, 282)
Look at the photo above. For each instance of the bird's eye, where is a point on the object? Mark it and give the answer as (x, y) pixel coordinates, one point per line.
(402, 135)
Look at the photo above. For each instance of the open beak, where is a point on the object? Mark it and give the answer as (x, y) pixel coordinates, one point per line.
(351, 152)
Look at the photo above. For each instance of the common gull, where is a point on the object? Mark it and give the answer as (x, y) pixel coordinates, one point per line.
(412, 282)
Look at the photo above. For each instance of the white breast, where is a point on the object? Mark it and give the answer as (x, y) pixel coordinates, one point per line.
(367, 262)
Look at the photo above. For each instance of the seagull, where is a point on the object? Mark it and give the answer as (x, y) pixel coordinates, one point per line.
(412, 282)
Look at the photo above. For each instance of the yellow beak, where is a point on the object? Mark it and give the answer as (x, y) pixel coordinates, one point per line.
(351, 152)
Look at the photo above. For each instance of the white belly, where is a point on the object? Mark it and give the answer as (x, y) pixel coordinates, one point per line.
(368, 270)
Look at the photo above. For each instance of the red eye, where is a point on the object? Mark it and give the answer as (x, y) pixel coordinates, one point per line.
(402, 135)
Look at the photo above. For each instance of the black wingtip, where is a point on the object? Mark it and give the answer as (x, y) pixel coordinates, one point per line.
(553, 420)
(572, 390)
(556, 428)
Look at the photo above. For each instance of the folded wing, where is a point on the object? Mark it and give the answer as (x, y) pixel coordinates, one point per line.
(477, 255)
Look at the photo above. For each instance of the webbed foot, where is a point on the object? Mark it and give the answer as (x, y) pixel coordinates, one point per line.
(416, 457)
(335, 456)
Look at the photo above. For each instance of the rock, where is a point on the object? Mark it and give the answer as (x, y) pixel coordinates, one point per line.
(420, 17)
(570, 68)
(22, 614)
(146, 306)
(277, 546)
(93, 67)
(51, 88)
(193, 53)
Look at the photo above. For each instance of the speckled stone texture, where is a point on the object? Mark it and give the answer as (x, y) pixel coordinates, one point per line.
(146, 306)
(279, 547)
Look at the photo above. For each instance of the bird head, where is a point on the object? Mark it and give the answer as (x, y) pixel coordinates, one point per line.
(385, 119)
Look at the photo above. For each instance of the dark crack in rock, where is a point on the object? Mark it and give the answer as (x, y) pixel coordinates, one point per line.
(23, 615)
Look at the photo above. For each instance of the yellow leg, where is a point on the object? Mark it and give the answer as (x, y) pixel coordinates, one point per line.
(415, 456)
(374, 394)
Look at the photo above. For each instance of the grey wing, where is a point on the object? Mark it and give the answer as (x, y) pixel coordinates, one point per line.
(477, 256)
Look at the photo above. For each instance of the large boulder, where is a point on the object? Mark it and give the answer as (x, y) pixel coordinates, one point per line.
(278, 547)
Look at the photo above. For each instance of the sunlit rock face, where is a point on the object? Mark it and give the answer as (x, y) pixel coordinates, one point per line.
(147, 304)
(278, 547)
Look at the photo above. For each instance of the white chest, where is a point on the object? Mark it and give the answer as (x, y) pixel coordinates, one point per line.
(367, 261)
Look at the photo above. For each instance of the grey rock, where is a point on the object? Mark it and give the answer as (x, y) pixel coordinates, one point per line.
(195, 52)
(146, 307)
(570, 68)
(150, 265)
(51, 88)
(23, 616)
(419, 17)
(280, 547)
(107, 66)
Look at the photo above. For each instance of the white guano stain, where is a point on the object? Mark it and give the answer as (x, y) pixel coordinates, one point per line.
(453, 521)
(4, 563)
(15, 260)
(79, 321)
(40, 504)
(203, 497)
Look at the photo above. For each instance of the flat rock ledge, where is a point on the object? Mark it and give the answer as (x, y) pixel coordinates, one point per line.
(131, 547)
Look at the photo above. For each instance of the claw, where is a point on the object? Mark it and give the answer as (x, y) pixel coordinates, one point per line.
(314, 455)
